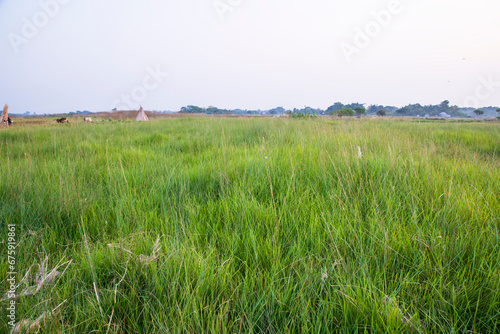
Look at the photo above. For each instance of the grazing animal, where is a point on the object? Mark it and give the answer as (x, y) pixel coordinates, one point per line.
(9, 120)
(62, 120)
(87, 120)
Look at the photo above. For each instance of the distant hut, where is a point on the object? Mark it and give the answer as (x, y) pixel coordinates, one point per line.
(141, 116)
(5, 116)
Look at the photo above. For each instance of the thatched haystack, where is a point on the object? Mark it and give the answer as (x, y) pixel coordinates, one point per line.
(141, 116)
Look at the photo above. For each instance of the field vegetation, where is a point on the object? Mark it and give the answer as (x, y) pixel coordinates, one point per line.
(253, 225)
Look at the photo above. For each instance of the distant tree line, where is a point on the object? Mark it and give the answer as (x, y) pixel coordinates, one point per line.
(431, 110)
(353, 109)
(214, 110)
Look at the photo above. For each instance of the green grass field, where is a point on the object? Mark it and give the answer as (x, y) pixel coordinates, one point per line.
(263, 226)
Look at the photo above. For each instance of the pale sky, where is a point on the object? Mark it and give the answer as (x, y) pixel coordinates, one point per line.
(68, 55)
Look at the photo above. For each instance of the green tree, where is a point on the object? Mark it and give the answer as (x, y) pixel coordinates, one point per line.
(336, 107)
(478, 112)
(382, 112)
(307, 112)
(372, 108)
(498, 110)
(360, 111)
(277, 111)
(310, 112)
(192, 110)
(445, 105)
(345, 112)
(353, 106)
(212, 110)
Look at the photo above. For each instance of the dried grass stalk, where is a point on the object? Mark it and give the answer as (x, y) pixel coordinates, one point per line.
(144, 259)
(29, 326)
(43, 277)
